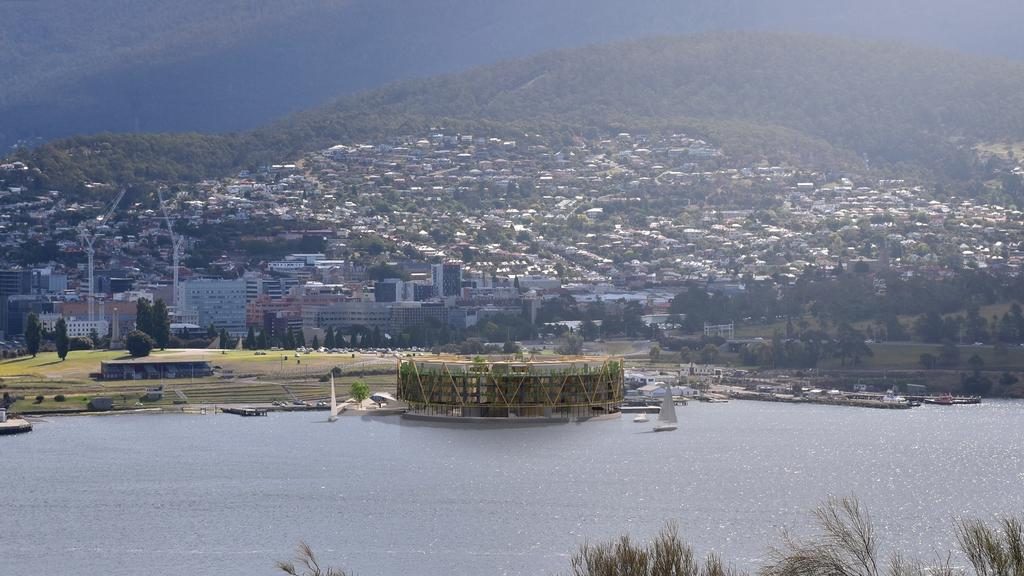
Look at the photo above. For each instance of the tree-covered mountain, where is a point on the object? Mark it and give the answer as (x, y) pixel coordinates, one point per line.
(811, 99)
(70, 67)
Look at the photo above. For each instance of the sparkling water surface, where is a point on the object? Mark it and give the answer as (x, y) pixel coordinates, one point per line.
(187, 495)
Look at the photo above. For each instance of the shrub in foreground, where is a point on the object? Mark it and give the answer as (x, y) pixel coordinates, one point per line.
(846, 545)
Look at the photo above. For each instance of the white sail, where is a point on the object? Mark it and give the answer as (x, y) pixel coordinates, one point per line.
(668, 408)
(334, 402)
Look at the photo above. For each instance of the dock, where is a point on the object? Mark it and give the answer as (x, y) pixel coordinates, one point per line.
(245, 411)
(822, 400)
(15, 426)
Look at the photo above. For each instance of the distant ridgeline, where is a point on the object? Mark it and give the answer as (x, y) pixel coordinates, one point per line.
(808, 100)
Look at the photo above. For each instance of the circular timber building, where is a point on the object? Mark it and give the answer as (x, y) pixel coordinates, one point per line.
(498, 388)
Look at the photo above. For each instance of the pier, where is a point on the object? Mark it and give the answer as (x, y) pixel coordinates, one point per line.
(15, 426)
(245, 411)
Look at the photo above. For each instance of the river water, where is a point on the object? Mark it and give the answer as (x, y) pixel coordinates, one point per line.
(187, 495)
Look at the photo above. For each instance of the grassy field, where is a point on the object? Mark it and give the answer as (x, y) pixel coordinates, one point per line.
(767, 330)
(898, 356)
(1002, 149)
(242, 377)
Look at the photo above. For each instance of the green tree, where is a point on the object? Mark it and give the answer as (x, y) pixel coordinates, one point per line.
(975, 363)
(144, 316)
(33, 334)
(138, 343)
(261, 341)
(316, 342)
(160, 324)
(572, 346)
(655, 353)
(225, 339)
(709, 354)
(61, 338)
(360, 391)
(851, 345)
(510, 347)
(949, 356)
(329, 338)
(250, 339)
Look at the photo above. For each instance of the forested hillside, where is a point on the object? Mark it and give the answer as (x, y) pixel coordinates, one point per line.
(70, 67)
(814, 100)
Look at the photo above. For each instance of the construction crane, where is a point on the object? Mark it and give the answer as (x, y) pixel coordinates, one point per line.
(176, 244)
(89, 236)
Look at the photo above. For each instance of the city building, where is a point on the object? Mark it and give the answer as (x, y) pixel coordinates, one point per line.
(12, 283)
(346, 314)
(220, 303)
(447, 279)
(76, 327)
(407, 315)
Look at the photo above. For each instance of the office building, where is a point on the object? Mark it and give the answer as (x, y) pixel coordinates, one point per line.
(447, 279)
(220, 303)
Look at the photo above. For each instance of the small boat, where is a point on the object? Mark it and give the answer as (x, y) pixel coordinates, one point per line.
(640, 418)
(667, 421)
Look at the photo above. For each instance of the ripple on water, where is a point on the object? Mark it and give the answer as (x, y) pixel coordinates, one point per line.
(187, 495)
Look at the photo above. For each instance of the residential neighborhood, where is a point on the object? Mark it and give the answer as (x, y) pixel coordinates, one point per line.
(415, 239)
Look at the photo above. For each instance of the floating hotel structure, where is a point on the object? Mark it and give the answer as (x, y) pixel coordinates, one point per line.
(566, 388)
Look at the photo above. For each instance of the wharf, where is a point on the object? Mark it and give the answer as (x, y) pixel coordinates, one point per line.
(639, 409)
(15, 426)
(245, 411)
(830, 401)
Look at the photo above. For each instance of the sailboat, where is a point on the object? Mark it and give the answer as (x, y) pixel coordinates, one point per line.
(667, 417)
(334, 403)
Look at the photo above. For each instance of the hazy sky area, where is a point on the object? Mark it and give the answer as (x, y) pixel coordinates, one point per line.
(70, 67)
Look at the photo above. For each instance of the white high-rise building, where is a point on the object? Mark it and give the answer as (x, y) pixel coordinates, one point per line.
(217, 302)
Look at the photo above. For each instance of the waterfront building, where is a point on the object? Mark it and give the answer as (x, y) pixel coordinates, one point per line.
(153, 369)
(559, 389)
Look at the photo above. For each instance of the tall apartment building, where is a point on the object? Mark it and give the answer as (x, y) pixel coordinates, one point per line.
(12, 283)
(389, 290)
(217, 302)
(447, 279)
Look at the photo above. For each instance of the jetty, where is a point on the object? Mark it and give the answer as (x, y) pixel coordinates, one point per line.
(833, 400)
(15, 426)
(245, 411)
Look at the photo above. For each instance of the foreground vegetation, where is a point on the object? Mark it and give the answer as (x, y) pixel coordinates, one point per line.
(846, 545)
